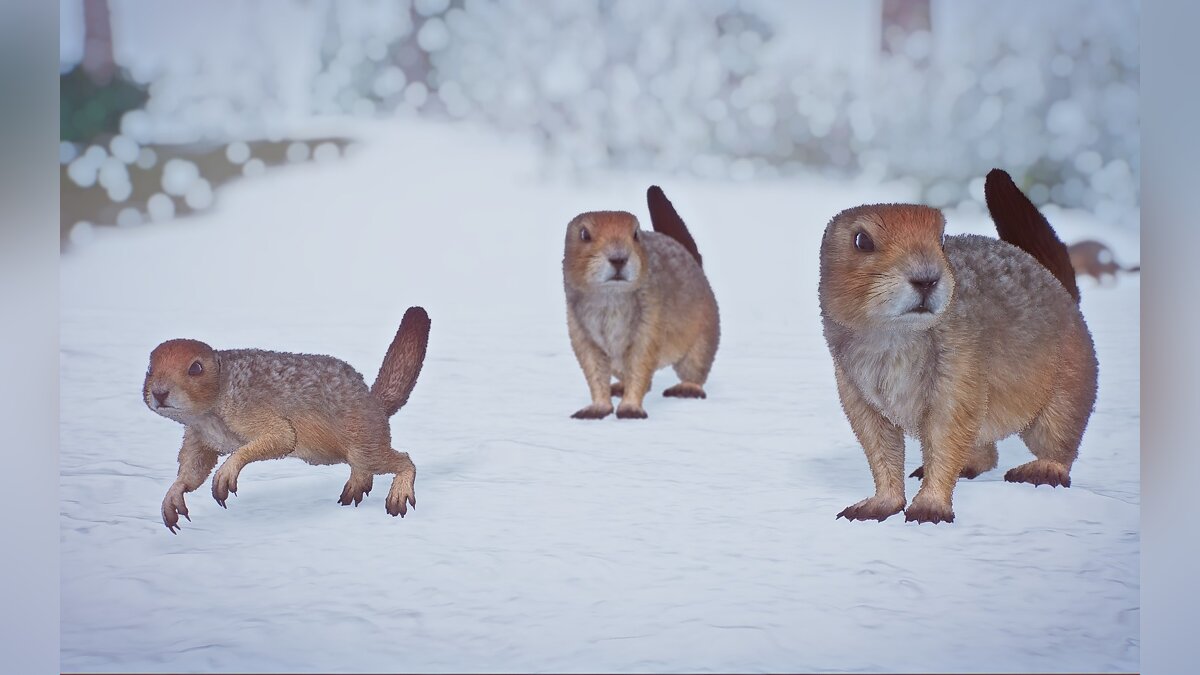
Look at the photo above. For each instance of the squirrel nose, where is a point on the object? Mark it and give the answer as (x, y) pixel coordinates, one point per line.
(618, 262)
(925, 285)
(160, 396)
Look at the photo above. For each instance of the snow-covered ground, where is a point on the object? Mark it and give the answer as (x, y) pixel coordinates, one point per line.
(702, 538)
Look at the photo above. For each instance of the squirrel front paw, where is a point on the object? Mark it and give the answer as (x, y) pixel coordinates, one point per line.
(927, 509)
(595, 411)
(225, 482)
(173, 506)
(879, 507)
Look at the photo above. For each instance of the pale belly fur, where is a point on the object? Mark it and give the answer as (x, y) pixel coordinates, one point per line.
(221, 438)
(610, 322)
(899, 384)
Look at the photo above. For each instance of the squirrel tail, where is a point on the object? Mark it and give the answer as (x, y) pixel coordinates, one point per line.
(1020, 223)
(666, 221)
(402, 363)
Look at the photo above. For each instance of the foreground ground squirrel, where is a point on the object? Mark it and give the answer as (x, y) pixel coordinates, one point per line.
(959, 341)
(636, 302)
(254, 405)
(1092, 258)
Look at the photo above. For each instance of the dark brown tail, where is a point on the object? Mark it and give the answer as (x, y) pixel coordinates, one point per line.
(665, 220)
(1020, 223)
(402, 363)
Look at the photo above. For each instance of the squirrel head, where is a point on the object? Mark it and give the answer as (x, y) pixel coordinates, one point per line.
(604, 252)
(183, 379)
(884, 265)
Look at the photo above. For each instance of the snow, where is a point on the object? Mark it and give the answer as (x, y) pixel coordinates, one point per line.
(702, 538)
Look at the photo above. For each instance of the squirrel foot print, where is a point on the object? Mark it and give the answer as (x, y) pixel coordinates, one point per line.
(354, 493)
(173, 506)
(617, 390)
(873, 508)
(224, 482)
(593, 412)
(968, 473)
(1040, 472)
(928, 510)
(685, 390)
(629, 411)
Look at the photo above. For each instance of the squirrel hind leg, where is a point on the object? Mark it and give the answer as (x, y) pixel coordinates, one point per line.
(1054, 435)
(983, 458)
(381, 459)
(693, 371)
(685, 390)
(403, 491)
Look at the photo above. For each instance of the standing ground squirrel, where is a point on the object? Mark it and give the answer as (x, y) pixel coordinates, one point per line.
(960, 341)
(254, 405)
(636, 302)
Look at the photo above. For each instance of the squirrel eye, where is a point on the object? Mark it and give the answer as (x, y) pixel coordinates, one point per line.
(196, 368)
(862, 242)
(584, 235)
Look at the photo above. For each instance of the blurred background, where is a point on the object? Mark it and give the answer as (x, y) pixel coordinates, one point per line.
(163, 103)
(293, 174)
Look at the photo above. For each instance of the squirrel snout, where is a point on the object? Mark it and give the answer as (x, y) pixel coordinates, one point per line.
(925, 285)
(618, 262)
(160, 395)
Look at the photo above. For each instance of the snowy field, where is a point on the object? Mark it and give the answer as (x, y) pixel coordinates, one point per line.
(702, 538)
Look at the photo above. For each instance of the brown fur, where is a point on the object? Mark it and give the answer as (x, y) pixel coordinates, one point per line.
(1092, 258)
(665, 219)
(1020, 223)
(254, 405)
(397, 374)
(994, 345)
(659, 312)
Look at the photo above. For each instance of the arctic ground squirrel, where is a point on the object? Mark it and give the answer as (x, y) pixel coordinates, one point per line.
(254, 405)
(1092, 258)
(959, 341)
(637, 301)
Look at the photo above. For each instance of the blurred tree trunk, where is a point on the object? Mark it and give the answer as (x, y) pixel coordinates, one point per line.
(97, 42)
(415, 61)
(902, 18)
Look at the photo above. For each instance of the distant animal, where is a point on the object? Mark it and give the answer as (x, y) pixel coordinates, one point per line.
(636, 302)
(252, 405)
(959, 341)
(1092, 258)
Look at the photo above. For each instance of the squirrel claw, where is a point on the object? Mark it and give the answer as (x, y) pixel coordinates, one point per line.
(173, 506)
(873, 508)
(593, 412)
(631, 412)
